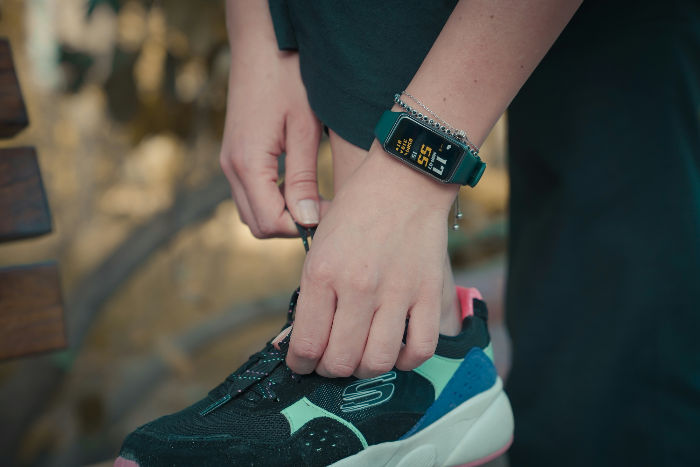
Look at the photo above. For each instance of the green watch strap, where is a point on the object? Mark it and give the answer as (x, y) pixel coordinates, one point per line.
(385, 124)
(470, 169)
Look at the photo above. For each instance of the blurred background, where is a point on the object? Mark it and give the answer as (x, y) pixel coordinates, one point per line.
(166, 292)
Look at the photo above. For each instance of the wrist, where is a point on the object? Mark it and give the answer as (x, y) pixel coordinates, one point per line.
(409, 182)
(429, 146)
(250, 54)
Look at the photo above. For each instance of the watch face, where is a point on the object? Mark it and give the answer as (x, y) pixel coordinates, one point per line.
(425, 149)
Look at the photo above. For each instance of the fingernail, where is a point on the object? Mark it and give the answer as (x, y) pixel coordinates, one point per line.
(280, 336)
(307, 210)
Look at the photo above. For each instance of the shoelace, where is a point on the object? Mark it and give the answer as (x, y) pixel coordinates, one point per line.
(255, 375)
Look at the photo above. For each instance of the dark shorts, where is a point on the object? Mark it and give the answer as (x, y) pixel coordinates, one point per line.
(603, 301)
(356, 54)
(603, 297)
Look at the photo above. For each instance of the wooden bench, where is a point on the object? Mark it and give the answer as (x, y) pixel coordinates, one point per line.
(31, 310)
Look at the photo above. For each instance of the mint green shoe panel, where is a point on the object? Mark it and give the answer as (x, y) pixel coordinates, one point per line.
(489, 352)
(439, 370)
(303, 411)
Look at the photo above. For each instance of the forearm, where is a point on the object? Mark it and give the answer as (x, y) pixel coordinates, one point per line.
(250, 29)
(483, 56)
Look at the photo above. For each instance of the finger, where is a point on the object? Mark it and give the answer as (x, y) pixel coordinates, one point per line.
(312, 320)
(301, 185)
(270, 212)
(351, 326)
(384, 342)
(325, 204)
(422, 337)
(258, 177)
(238, 195)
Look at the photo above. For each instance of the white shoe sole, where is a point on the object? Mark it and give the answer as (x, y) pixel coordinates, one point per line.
(474, 433)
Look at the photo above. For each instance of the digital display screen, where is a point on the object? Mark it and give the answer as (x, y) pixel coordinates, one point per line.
(424, 149)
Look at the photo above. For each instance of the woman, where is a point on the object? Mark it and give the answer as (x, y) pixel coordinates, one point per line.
(604, 237)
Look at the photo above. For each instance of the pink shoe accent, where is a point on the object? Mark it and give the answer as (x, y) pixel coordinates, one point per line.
(121, 462)
(465, 299)
(489, 457)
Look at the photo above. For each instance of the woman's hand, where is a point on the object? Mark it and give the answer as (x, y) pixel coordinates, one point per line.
(378, 255)
(268, 113)
(377, 258)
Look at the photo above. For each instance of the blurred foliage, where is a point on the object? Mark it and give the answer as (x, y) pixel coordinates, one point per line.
(165, 65)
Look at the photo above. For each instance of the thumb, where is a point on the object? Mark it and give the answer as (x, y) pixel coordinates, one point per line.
(301, 186)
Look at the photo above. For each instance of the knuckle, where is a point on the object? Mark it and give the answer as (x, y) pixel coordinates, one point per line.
(239, 165)
(378, 365)
(257, 233)
(339, 368)
(224, 163)
(251, 225)
(363, 283)
(267, 230)
(318, 271)
(301, 178)
(307, 349)
(422, 352)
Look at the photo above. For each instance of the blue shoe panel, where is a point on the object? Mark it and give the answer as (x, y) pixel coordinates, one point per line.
(475, 375)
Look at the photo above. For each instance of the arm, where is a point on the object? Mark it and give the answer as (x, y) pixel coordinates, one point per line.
(267, 114)
(378, 255)
(485, 53)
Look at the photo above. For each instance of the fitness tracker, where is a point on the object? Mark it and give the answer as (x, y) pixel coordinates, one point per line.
(428, 150)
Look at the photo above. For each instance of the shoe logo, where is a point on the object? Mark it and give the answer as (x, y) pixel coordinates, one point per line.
(368, 392)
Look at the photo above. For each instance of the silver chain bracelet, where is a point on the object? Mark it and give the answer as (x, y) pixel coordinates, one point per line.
(445, 127)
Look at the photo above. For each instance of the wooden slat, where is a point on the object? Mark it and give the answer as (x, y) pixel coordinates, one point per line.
(13, 113)
(31, 310)
(24, 211)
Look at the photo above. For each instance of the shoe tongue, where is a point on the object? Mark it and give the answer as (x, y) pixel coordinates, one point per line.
(255, 373)
(262, 365)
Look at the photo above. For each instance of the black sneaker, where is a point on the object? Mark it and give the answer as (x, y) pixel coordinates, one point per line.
(450, 411)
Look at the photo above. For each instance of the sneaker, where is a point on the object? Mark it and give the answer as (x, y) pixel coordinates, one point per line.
(450, 411)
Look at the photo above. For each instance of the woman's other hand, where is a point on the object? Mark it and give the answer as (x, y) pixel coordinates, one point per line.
(268, 114)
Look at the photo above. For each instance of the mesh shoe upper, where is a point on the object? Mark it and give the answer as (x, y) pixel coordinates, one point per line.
(265, 414)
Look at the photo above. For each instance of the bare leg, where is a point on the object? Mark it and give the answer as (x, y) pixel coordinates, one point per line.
(346, 158)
